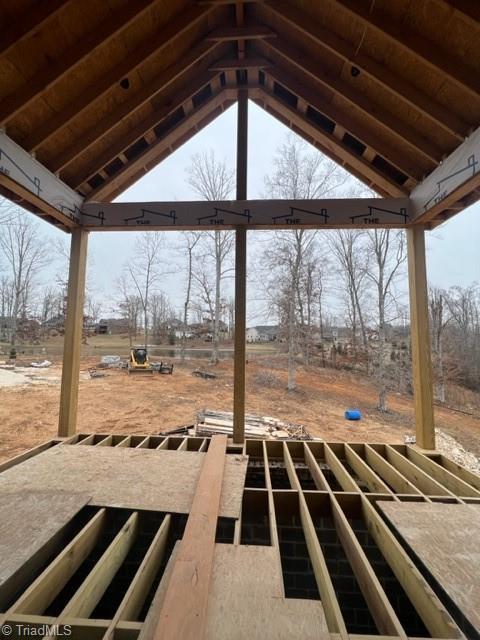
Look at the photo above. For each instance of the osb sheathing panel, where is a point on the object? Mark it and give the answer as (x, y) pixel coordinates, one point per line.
(247, 585)
(29, 519)
(446, 538)
(127, 478)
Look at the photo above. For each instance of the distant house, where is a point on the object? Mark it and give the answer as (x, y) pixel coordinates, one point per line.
(110, 326)
(262, 333)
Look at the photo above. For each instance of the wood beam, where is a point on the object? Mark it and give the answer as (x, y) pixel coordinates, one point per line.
(381, 118)
(29, 22)
(455, 179)
(226, 64)
(194, 122)
(184, 610)
(54, 71)
(73, 333)
(440, 61)
(420, 339)
(467, 9)
(249, 214)
(37, 188)
(375, 144)
(249, 32)
(142, 129)
(166, 37)
(388, 79)
(240, 275)
(330, 145)
(157, 85)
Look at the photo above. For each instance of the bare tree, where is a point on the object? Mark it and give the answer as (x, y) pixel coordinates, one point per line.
(347, 247)
(212, 180)
(190, 241)
(24, 251)
(130, 307)
(292, 259)
(144, 271)
(439, 319)
(387, 255)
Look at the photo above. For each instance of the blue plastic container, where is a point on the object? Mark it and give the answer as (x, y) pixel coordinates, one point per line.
(353, 414)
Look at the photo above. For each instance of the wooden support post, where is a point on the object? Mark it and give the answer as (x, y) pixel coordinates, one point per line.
(73, 333)
(240, 275)
(420, 338)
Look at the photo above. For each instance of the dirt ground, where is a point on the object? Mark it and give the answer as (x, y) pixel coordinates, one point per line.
(119, 403)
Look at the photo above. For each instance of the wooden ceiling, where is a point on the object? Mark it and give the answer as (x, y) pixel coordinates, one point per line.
(103, 91)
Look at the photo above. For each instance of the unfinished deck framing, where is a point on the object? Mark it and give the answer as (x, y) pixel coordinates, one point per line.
(312, 507)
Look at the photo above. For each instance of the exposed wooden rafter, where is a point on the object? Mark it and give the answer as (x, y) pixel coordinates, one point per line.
(165, 37)
(28, 23)
(52, 72)
(387, 78)
(390, 123)
(454, 70)
(196, 120)
(227, 64)
(229, 34)
(170, 106)
(111, 120)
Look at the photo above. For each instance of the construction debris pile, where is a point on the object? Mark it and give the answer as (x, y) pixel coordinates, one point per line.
(210, 422)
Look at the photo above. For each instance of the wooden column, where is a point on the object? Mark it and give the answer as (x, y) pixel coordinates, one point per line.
(73, 333)
(420, 338)
(240, 275)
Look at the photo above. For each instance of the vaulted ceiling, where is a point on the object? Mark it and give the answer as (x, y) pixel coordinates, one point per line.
(103, 91)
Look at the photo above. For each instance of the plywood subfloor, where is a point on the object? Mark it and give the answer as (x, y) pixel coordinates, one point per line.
(446, 538)
(29, 521)
(129, 478)
(247, 600)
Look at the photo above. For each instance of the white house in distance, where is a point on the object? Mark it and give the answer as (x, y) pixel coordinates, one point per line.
(262, 334)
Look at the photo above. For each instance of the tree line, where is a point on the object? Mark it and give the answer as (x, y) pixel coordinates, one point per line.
(313, 284)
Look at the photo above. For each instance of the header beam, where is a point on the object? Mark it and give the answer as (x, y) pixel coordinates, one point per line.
(251, 214)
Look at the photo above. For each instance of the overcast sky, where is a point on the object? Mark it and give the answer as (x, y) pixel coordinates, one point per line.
(453, 249)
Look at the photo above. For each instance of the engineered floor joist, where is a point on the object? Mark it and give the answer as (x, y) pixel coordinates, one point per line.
(303, 546)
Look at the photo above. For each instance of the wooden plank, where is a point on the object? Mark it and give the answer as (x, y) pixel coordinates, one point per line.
(449, 480)
(168, 35)
(382, 611)
(55, 70)
(415, 474)
(239, 375)
(149, 478)
(457, 177)
(331, 607)
(444, 535)
(389, 473)
(247, 586)
(184, 609)
(251, 32)
(227, 64)
(26, 455)
(67, 421)
(462, 472)
(31, 527)
(428, 606)
(384, 76)
(453, 70)
(374, 482)
(346, 481)
(90, 592)
(111, 120)
(429, 152)
(51, 581)
(420, 339)
(133, 600)
(330, 145)
(317, 474)
(29, 22)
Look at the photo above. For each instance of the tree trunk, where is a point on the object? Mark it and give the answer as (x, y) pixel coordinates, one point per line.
(291, 383)
(218, 278)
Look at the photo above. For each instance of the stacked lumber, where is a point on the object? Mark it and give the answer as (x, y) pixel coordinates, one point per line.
(210, 422)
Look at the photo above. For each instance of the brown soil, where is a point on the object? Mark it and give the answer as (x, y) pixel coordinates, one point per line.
(120, 403)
